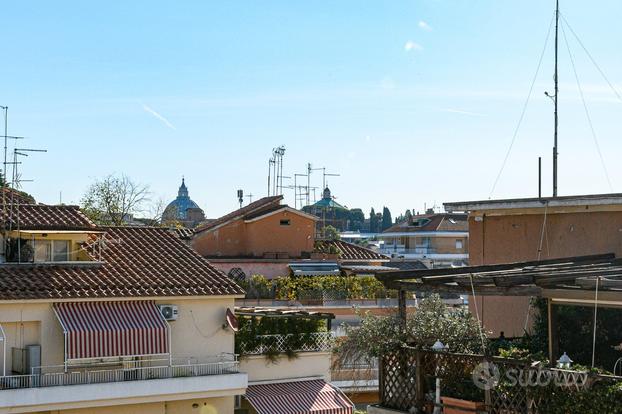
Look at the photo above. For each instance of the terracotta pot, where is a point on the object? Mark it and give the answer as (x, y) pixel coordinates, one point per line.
(458, 406)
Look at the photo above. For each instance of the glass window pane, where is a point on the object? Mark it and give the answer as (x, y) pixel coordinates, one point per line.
(43, 250)
(61, 250)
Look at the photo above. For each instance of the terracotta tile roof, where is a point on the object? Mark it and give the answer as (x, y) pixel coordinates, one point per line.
(435, 222)
(183, 233)
(44, 217)
(264, 211)
(252, 208)
(136, 262)
(15, 196)
(352, 252)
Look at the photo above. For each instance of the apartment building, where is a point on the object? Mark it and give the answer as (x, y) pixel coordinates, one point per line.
(111, 319)
(287, 354)
(531, 229)
(271, 239)
(435, 239)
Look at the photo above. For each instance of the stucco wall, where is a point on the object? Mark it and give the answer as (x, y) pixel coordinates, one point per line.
(220, 405)
(267, 269)
(228, 240)
(307, 364)
(257, 237)
(511, 237)
(447, 245)
(196, 333)
(36, 323)
(268, 235)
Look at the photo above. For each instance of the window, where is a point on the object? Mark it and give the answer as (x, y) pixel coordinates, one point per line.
(43, 250)
(60, 250)
(458, 244)
(51, 250)
(284, 222)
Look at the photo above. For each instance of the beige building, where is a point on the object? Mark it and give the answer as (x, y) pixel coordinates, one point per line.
(111, 319)
(435, 239)
(519, 230)
(131, 320)
(288, 354)
(271, 239)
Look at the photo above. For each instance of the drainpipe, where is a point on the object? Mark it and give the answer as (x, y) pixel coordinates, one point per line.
(3, 351)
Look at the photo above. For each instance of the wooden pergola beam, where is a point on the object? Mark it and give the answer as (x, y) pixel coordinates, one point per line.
(394, 275)
(537, 271)
(463, 289)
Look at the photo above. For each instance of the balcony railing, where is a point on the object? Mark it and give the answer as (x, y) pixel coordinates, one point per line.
(400, 249)
(45, 377)
(310, 342)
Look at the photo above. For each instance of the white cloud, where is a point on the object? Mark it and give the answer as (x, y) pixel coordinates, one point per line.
(410, 46)
(424, 26)
(158, 116)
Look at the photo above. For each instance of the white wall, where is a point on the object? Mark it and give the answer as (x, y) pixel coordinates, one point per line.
(307, 364)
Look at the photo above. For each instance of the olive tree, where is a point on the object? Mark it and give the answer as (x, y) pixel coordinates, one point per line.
(431, 321)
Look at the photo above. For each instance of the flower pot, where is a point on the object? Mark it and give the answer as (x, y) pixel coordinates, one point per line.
(458, 406)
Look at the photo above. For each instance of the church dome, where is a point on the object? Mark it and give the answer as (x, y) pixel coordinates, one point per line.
(178, 208)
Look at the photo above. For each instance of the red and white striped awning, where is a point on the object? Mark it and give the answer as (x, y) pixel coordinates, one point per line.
(112, 329)
(299, 397)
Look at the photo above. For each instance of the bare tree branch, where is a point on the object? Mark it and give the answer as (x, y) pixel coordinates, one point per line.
(113, 199)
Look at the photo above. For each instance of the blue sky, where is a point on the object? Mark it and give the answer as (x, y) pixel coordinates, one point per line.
(412, 102)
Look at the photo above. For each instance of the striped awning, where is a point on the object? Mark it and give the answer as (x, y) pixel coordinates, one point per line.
(299, 397)
(112, 329)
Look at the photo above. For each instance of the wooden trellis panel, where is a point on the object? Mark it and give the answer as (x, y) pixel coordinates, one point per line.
(397, 382)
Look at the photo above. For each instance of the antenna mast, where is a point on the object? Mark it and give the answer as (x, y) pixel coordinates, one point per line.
(554, 98)
(555, 101)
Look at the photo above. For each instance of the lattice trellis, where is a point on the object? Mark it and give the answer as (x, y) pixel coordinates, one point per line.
(507, 396)
(311, 342)
(397, 382)
(512, 386)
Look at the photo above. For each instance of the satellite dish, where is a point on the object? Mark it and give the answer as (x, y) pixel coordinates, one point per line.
(232, 321)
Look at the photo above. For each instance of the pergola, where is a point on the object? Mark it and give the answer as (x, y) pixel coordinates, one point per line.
(594, 280)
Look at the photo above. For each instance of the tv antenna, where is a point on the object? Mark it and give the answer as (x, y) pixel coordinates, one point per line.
(275, 171)
(324, 174)
(6, 137)
(240, 197)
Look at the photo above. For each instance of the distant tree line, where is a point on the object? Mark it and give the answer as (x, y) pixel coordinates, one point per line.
(375, 222)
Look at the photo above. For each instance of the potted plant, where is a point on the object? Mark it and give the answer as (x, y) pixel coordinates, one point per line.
(461, 396)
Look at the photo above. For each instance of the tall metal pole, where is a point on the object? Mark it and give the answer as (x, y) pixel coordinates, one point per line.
(6, 121)
(555, 101)
(309, 170)
(539, 177)
(269, 168)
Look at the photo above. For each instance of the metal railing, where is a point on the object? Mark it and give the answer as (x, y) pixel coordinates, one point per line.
(310, 342)
(99, 375)
(403, 250)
